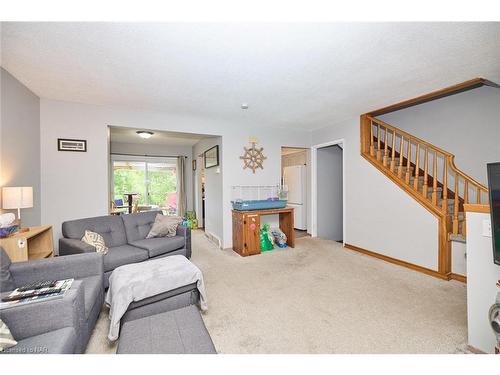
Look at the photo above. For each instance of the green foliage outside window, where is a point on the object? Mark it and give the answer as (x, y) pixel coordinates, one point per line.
(162, 180)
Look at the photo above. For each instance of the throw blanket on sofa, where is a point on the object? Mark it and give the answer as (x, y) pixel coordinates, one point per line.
(134, 282)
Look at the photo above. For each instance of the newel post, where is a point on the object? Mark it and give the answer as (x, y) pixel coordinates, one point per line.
(365, 133)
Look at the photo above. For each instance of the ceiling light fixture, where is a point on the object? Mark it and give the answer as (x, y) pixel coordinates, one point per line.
(244, 106)
(144, 134)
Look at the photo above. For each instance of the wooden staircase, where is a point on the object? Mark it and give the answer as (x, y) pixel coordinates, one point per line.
(429, 175)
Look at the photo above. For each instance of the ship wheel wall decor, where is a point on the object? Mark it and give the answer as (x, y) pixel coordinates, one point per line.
(253, 158)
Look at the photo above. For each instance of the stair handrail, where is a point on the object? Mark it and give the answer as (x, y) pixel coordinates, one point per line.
(450, 157)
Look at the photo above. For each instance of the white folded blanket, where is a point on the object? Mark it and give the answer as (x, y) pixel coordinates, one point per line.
(134, 282)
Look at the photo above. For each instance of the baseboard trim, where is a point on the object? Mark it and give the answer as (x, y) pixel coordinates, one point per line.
(398, 262)
(461, 278)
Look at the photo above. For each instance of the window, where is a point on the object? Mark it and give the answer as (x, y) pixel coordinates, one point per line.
(154, 180)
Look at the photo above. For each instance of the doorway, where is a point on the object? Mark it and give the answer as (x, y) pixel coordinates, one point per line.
(328, 214)
(295, 178)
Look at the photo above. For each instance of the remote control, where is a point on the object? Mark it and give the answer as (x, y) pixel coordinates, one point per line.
(37, 285)
(29, 295)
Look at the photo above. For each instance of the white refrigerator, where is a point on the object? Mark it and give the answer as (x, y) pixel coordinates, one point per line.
(294, 178)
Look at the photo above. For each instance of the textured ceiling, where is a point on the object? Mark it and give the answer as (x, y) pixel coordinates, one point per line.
(301, 76)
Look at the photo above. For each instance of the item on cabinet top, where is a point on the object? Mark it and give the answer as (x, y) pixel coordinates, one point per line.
(259, 197)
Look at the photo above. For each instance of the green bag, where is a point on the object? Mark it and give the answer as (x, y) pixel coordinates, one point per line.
(265, 242)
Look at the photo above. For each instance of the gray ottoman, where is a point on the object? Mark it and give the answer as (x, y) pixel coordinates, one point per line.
(180, 331)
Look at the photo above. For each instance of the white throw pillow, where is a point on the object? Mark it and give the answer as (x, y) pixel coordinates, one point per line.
(164, 226)
(6, 339)
(96, 240)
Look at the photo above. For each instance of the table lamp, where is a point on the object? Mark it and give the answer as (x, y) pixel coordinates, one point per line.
(17, 198)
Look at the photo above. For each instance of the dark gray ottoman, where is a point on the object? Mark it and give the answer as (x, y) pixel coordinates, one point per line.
(180, 331)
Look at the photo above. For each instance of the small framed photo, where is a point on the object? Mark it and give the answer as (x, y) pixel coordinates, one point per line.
(193, 163)
(75, 145)
(211, 157)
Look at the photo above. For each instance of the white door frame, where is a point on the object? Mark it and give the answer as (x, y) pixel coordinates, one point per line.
(314, 185)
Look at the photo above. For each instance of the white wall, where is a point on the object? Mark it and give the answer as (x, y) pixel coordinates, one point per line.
(482, 275)
(19, 142)
(213, 188)
(161, 150)
(465, 124)
(329, 193)
(76, 184)
(380, 216)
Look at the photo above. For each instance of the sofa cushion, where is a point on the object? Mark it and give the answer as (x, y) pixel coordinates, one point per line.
(6, 279)
(125, 254)
(174, 332)
(109, 227)
(95, 240)
(159, 246)
(137, 226)
(60, 341)
(164, 226)
(92, 286)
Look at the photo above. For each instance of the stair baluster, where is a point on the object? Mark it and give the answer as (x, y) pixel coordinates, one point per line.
(455, 207)
(426, 170)
(400, 169)
(417, 170)
(393, 155)
(466, 201)
(386, 148)
(434, 179)
(408, 162)
(372, 147)
(378, 141)
(445, 186)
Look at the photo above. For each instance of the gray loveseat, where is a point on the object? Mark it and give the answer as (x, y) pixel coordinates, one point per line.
(59, 325)
(125, 236)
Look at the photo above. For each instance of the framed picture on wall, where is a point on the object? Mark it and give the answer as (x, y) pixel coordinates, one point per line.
(75, 145)
(211, 157)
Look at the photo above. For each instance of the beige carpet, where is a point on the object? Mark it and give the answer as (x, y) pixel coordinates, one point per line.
(321, 298)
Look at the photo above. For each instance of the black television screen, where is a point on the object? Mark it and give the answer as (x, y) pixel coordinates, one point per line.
(494, 189)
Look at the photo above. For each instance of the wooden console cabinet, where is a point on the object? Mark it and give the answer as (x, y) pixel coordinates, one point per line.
(246, 226)
(36, 243)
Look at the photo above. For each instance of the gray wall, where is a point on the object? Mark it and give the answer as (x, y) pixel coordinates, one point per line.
(20, 142)
(329, 196)
(161, 150)
(466, 124)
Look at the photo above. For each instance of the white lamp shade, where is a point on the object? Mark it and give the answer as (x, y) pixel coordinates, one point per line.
(17, 197)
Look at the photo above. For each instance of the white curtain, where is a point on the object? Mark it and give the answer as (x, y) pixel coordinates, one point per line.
(181, 187)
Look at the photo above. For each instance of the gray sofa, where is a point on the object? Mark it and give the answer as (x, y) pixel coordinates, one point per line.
(58, 325)
(125, 236)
